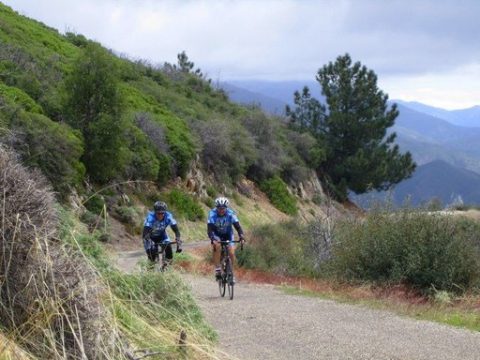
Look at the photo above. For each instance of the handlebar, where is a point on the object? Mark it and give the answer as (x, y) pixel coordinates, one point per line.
(167, 243)
(223, 243)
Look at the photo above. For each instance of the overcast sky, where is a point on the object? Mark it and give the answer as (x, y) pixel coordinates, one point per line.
(427, 51)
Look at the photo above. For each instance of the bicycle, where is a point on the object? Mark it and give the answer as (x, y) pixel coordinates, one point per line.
(160, 263)
(226, 270)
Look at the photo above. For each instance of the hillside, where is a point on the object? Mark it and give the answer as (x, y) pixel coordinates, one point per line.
(151, 123)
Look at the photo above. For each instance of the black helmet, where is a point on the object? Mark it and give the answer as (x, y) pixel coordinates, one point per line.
(160, 206)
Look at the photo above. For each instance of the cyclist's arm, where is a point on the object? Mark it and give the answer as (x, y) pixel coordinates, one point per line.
(211, 231)
(146, 232)
(239, 229)
(176, 231)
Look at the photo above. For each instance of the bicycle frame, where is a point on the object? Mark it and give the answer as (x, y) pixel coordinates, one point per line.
(161, 250)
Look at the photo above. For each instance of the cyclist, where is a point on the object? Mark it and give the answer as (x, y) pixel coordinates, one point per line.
(219, 227)
(154, 232)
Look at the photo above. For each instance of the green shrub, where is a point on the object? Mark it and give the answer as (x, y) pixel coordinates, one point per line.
(131, 218)
(92, 220)
(142, 161)
(237, 198)
(211, 191)
(52, 147)
(16, 96)
(227, 151)
(127, 214)
(413, 247)
(181, 147)
(278, 248)
(185, 205)
(318, 199)
(95, 204)
(278, 194)
(209, 202)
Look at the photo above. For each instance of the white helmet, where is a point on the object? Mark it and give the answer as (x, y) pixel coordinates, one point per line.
(221, 202)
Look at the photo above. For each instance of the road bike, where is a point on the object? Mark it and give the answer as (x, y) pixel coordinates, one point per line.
(226, 279)
(160, 260)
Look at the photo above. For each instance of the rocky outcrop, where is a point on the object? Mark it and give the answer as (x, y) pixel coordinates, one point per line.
(310, 190)
(195, 180)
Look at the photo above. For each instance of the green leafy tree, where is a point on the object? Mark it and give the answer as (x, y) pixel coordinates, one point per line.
(94, 107)
(352, 130)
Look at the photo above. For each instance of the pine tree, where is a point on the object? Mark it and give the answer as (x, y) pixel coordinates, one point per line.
(308, 115)
(352, 129)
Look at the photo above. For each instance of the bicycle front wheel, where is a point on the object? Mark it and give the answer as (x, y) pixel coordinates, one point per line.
(221, 287)
(230, 281)
(230, 290)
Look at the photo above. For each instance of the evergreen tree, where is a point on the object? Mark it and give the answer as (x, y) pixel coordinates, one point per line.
(186, 66)
(352, 129)
(308, 115)
(94, 107)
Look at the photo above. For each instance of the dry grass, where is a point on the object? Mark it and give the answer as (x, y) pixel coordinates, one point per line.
(10, 351)
(50, 300)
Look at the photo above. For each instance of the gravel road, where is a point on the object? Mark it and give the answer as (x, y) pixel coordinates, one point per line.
(263, 322)
(266, 323)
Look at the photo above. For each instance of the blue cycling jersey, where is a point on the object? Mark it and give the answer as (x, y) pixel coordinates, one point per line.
(222, 225)
(159, 227)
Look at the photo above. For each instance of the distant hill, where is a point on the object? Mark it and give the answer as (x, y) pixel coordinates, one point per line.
(246, 97)
(425, 152)
(429, 128)
(419, 132)
(465, 117)
(280, 90)
(437, 179)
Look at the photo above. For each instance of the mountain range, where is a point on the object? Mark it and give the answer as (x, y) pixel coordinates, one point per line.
(435, 180)
(441, 141)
